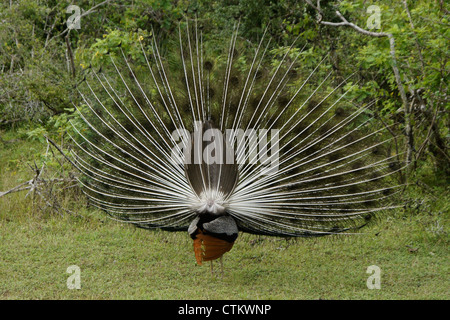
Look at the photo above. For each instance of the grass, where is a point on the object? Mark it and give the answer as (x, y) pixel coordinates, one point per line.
(118, 261)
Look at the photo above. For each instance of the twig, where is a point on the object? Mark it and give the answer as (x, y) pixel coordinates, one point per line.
(419, 49)
(428, 135)
(43, 187)
(60, 151)
(70, 54)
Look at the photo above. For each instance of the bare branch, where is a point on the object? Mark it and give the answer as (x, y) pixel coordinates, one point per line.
(60, 151)
(359, 29)
(43, 188)
(395, 69)
(70, 54)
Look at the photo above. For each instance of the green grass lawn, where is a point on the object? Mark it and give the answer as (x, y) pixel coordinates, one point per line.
(118, 261)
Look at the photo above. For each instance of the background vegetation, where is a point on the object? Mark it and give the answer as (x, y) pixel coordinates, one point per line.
(46, 225)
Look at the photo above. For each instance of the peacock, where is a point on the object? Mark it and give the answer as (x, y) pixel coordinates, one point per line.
(219, 136)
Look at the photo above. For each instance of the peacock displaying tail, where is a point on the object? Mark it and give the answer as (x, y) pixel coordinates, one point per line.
(194, 135)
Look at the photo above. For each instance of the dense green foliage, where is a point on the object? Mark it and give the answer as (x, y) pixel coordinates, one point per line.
(41, 59)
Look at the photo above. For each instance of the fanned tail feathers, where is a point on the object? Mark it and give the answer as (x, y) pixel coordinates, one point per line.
(306, 159)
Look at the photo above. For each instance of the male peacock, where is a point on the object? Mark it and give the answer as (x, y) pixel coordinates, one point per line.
(189, 136)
